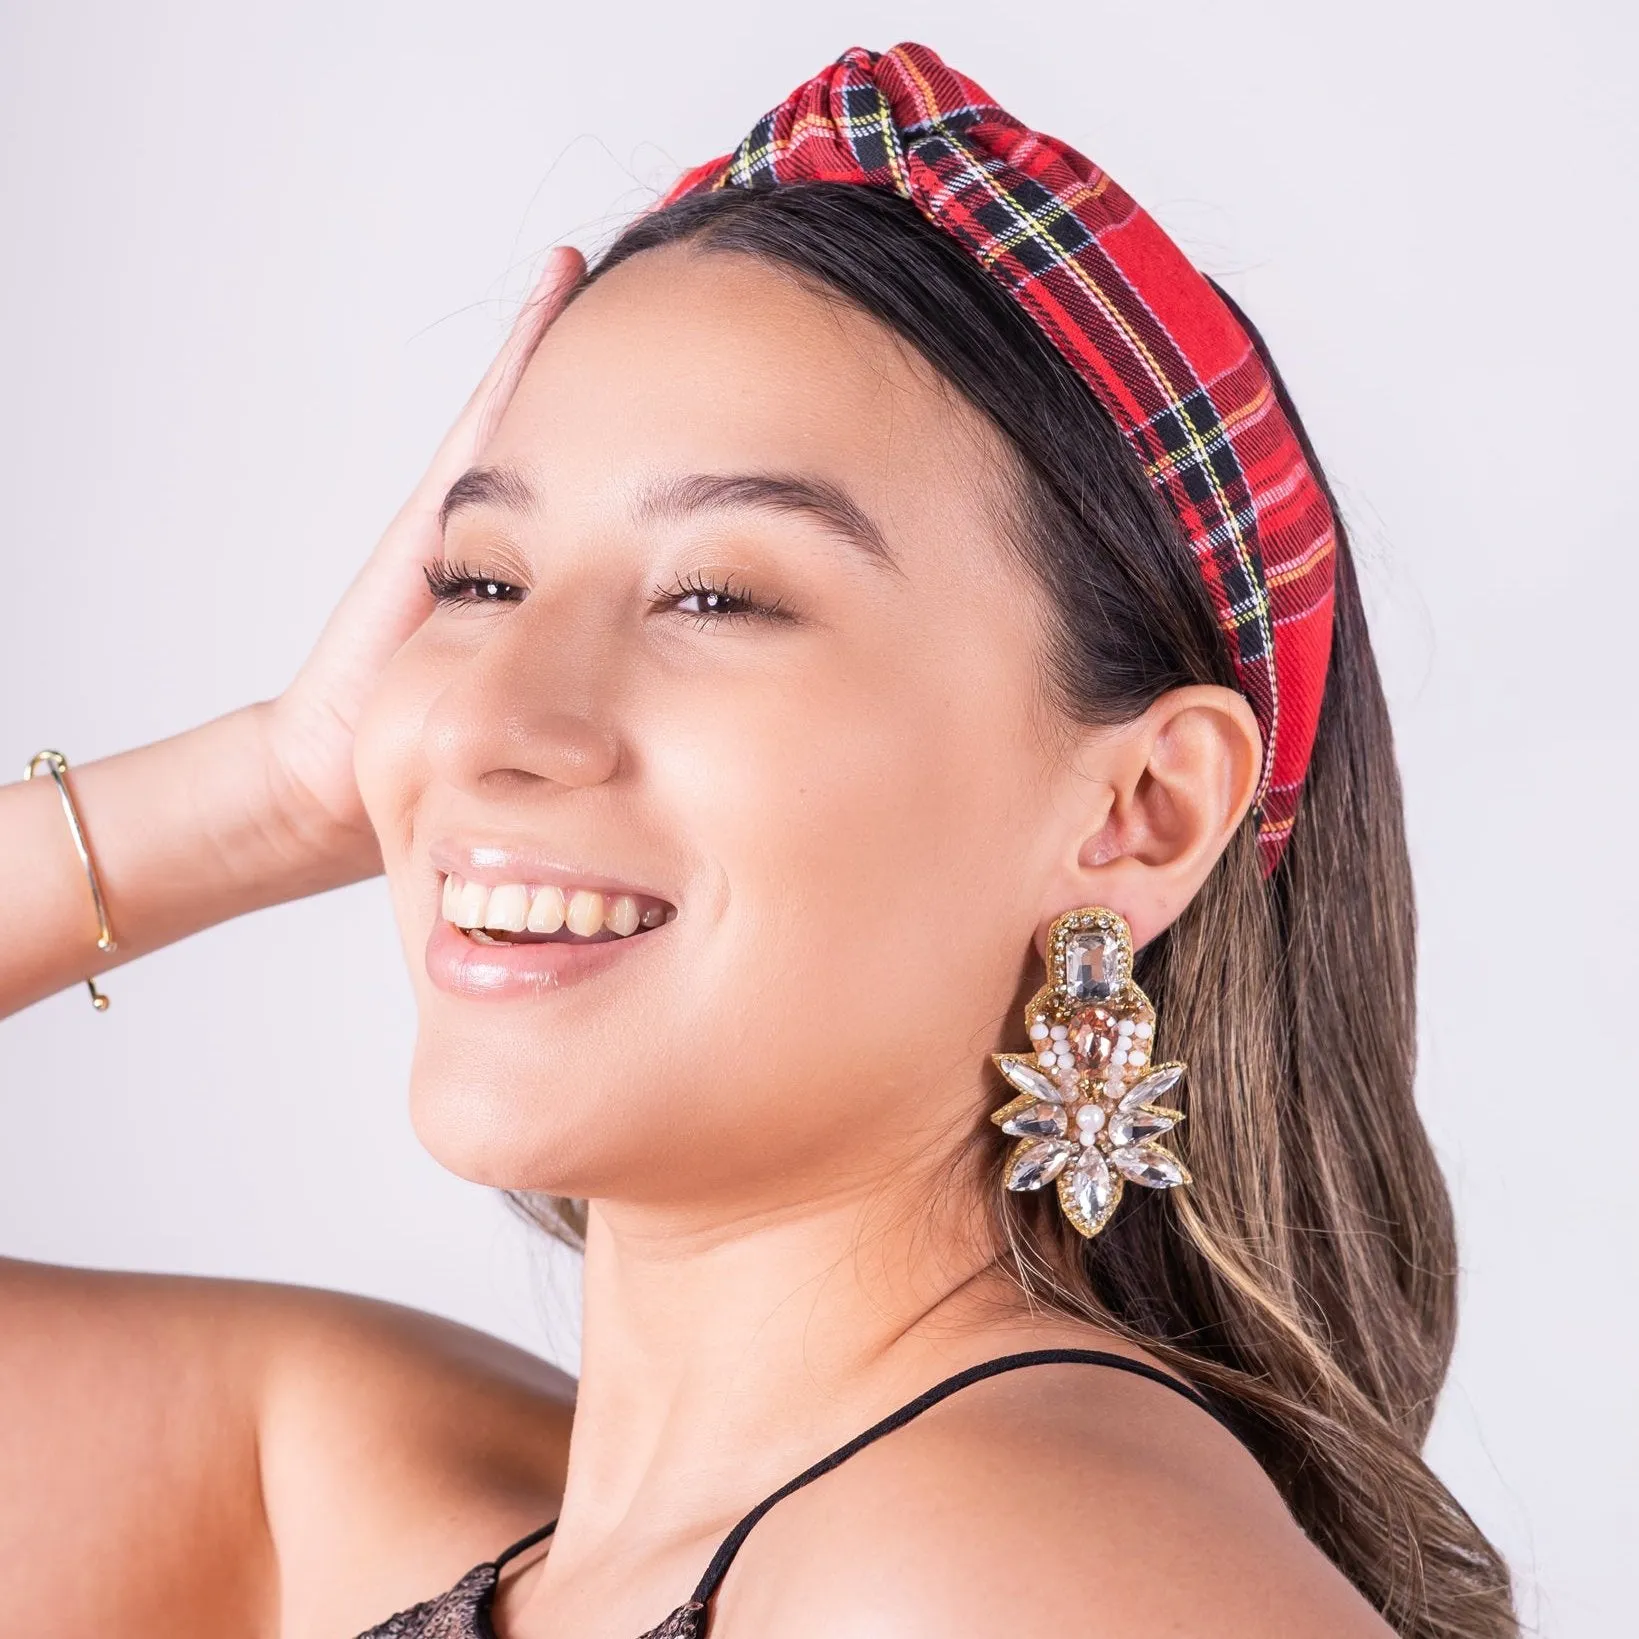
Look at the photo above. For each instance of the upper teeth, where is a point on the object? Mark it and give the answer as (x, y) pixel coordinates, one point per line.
(511, 907)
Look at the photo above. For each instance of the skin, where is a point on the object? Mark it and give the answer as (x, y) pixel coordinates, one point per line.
(785, 1238)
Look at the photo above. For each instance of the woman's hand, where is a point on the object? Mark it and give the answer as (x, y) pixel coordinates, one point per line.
(255, 807)
(309, 728)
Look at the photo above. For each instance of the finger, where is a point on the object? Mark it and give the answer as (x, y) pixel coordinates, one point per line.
(489, 399)
(561, 274)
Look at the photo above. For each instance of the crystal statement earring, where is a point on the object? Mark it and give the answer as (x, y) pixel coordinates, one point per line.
(1085, 1116)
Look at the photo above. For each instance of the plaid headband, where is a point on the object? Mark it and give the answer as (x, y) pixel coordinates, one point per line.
(1152, 339)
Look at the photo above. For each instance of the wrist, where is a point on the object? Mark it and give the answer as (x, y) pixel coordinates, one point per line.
(310, 841)
(273, 830)
(184, 833)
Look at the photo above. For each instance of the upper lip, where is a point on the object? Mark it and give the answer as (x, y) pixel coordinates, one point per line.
(495, 863)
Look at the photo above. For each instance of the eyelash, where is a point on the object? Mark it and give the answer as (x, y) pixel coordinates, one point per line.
(697, 585)
(453, 584)
(449, 582)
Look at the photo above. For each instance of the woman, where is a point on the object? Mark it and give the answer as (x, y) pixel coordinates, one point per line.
(807, 672)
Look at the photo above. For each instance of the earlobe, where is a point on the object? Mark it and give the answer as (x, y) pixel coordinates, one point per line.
(1178, 782)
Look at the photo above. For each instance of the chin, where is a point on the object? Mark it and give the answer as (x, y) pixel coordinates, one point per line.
(501, 1129)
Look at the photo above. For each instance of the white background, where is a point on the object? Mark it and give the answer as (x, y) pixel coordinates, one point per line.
(255, 256)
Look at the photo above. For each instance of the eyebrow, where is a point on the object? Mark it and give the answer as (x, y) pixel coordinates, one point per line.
(826, 504)
(485, 486)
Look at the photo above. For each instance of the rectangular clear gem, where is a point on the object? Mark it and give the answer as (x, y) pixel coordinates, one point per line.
(1092, 965)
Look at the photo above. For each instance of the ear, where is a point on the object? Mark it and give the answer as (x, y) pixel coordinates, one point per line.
(1160, 798)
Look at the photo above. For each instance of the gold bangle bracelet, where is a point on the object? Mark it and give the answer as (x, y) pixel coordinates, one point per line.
(57, 766)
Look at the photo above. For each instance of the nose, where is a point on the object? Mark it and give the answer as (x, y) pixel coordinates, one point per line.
(525, 707)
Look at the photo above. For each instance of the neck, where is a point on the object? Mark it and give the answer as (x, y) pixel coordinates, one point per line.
(719, 1361)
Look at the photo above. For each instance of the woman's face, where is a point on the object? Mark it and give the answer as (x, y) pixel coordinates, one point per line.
(848, 797)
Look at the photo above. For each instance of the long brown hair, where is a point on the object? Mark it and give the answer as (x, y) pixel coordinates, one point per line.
(1307, 1279)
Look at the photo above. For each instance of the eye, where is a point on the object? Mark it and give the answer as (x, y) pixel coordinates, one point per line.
(710, 602)
(454, 583)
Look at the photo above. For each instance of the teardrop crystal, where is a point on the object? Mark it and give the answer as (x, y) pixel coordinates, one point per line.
(1028, 1079)
(1155, 1085)
(1129, 1127)
(1039, 1163)
(1039, 1121)
(1093, 1039)
(1149, 1165)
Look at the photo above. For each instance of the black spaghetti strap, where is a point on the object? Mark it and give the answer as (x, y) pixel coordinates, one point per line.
(540, 1534)
(731, 1544)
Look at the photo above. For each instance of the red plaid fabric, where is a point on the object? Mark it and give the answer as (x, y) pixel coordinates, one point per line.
(1144, 329)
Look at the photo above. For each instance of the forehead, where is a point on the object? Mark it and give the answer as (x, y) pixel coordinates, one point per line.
(686, 361)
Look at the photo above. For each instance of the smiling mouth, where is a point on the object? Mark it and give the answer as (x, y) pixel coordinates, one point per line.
(517, 913)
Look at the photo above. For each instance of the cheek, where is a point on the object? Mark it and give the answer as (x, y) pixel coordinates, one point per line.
(870, 837)
(854, 922)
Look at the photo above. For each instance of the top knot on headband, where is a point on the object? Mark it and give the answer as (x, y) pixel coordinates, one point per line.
(1143, 328)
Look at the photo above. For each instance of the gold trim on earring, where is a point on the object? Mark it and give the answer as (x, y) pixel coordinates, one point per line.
(1085, 1116)
(57, 766)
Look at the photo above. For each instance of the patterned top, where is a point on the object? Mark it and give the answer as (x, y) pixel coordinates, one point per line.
(465, 1611)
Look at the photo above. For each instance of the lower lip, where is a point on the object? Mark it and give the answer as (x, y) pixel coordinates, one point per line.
(463, 967)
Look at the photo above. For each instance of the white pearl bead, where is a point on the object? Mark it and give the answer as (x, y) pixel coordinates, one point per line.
(1046, 1058)
(1125, 1027)
(1135, 1058)
(1038, 1032)
(1119, 1057)
(1143, 1029)
(1060, 1032)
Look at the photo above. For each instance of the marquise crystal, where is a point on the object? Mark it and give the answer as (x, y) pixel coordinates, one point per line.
(1149, 1165)
(1039, 1161)
(1093, 1188)
(1129, 1127)
(1039, 1121)
(1028, 1079)
(1085, 1113)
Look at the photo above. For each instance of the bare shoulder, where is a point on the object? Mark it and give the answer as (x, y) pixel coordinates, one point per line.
(398, 1450)
(221, 1450)
(1058, 1499)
